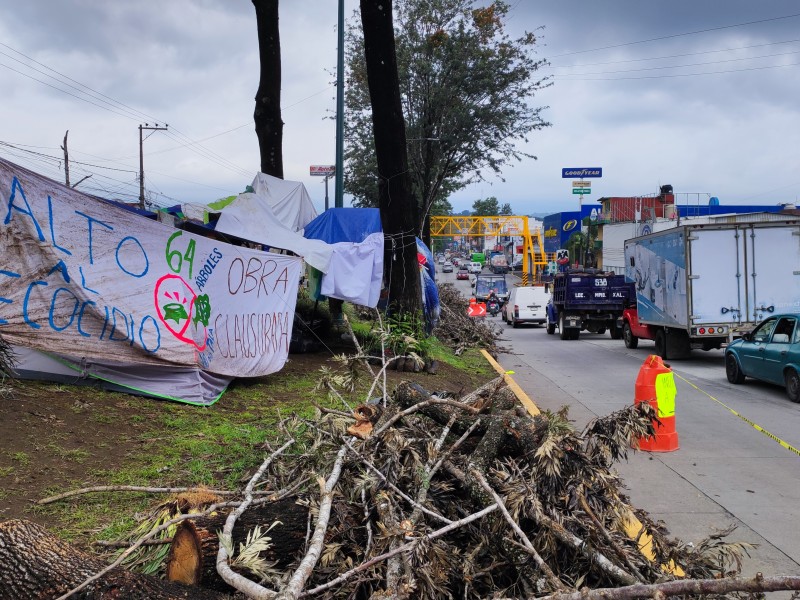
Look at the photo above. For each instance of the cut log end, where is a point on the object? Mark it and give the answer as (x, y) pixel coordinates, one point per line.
(185, 559)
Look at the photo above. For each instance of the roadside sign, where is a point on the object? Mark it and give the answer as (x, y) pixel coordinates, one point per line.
(322, 170)
(476, 310)
(581, 184)
(581, 190)
(581, 172)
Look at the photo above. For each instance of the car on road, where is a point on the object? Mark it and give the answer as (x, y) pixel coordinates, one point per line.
(447, 267)
(462, 273)
(475, 267)
(771, 353)
(526, 305)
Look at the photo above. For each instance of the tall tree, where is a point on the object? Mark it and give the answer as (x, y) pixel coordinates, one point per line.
(399, 215)
(466, 88)
(486, 208)
(267, 114)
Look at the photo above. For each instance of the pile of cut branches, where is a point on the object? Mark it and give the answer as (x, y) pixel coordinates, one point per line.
(459, 331)
(426, 496)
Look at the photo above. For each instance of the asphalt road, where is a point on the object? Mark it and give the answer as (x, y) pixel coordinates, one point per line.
(726, 471)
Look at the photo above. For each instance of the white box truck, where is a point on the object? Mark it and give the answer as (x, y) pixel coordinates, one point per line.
(701, 286)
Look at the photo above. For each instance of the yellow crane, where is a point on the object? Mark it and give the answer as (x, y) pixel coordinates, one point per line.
(534, 258)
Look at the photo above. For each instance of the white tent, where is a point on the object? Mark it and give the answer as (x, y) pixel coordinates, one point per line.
(288, 200)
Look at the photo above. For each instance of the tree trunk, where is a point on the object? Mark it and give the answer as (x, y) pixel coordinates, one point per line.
(267, 115)
(507, 430)
(399, 209)
(39, 566)
(193, 553)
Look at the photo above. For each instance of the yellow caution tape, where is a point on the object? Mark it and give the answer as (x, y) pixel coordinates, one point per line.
(774, 438)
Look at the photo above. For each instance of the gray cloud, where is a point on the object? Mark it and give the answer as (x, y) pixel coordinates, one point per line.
(194, 64)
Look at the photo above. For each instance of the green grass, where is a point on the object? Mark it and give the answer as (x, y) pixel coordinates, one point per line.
(167, 444)
(6, 471)
(21, 457)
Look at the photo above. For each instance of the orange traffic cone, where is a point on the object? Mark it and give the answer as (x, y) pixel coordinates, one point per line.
(655, 384)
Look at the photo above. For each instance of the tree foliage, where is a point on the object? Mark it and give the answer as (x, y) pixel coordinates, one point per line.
(488, 207)
(466, 88)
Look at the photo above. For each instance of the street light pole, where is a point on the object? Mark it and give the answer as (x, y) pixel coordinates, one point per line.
(339, 187)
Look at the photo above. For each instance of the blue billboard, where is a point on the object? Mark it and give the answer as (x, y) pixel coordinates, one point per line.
(559, 227)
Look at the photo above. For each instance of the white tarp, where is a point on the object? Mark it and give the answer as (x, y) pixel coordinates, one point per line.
(83, 278)
(352, 271)
(249, 218)
(288, 200)
(356, 271)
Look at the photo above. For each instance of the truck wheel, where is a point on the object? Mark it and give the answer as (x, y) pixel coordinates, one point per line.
(616, 332)
(562, 331)
(661, 344)
(550, 327)
(631, 341)
(601, 331)
(734, 373)
(793, 385)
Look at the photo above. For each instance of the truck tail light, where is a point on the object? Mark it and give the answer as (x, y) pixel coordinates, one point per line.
(516, 310)
(702, 330)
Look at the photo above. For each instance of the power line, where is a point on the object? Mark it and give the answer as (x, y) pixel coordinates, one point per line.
(630, 60)
(700, 64)
(566, 78)
(131, 109)
(676, 35)
(67, 93)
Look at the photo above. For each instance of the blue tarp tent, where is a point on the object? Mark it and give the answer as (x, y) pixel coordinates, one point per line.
(354, 225)
(344, 225)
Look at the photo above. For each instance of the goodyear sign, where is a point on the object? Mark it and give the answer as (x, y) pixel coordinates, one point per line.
(581, 172)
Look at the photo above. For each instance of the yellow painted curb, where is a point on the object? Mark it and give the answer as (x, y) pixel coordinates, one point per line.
(633, 526)
(636, 531)
(513, 385)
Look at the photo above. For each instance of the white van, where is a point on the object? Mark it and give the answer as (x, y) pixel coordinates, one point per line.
(474, 267)
(526, 305)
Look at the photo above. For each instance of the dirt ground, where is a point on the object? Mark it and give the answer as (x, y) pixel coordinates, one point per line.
(59, 437)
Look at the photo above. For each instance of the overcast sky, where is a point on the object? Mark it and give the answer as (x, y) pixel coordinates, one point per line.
(701, 94)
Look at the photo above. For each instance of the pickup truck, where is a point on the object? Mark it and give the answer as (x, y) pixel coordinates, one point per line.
(588, 300)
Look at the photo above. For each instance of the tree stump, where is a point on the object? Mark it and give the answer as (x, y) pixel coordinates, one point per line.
(192, 558)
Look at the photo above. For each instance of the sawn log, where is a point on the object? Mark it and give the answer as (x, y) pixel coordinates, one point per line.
(37, 565)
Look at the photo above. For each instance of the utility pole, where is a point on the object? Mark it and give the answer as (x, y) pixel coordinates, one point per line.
(141, 158)
(338, 194)
(66, 158)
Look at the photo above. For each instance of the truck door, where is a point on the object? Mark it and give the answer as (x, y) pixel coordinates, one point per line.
(716, 276)
(773, 280)
(776, 351)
